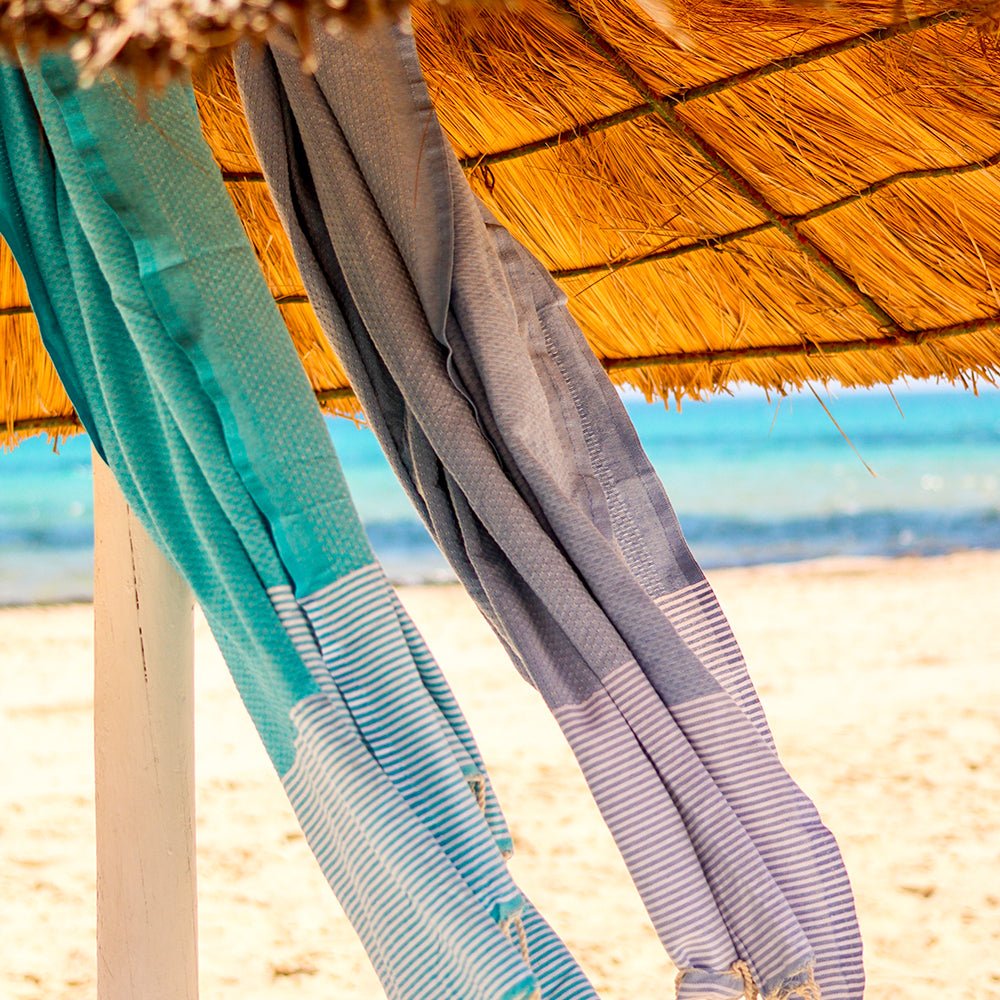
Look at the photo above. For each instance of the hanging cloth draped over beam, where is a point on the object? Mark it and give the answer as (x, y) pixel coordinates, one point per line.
(163, 330)
(518, 455)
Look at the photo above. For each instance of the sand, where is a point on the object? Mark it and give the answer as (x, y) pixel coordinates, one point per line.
(879, 678)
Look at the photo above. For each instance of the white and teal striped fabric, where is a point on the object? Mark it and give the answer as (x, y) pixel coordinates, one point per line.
(152, 304)
(519, 456)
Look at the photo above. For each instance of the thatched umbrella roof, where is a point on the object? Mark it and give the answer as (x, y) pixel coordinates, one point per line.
(729, 192)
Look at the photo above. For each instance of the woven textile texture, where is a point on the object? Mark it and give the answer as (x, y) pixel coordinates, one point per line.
(519, 457)
(167, 337)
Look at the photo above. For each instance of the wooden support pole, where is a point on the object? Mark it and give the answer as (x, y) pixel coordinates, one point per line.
(147, 927)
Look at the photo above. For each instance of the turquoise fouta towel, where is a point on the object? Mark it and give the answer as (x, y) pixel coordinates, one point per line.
(153, 307)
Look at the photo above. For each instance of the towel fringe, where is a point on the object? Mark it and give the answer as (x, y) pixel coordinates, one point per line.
(750, 991)
(477, 785)
(522, 940)
(513, 927)
(805, 990)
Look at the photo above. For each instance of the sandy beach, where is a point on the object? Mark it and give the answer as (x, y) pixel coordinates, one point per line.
(879, 678)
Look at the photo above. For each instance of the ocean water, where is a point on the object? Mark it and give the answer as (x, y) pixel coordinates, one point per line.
(752, 481)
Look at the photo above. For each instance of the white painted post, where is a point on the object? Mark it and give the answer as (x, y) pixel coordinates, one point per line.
(147, 924)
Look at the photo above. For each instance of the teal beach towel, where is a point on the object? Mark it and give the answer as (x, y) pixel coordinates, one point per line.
(164, 332)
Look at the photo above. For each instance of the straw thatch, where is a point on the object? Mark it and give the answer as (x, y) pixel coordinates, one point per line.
(728, 191)
(158, 39)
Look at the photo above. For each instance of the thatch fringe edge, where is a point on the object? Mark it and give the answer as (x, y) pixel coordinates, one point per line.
(807, 349)
(712, 357)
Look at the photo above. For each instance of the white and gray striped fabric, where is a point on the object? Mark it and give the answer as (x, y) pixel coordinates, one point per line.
(405, 849)
(521, 460)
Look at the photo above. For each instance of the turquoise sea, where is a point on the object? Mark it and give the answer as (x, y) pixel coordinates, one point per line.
(752, 480)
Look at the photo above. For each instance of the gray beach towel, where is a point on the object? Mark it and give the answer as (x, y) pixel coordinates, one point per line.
(521, 460)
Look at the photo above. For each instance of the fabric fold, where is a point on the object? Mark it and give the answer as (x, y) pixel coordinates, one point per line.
(164, 332)
(519, 457)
